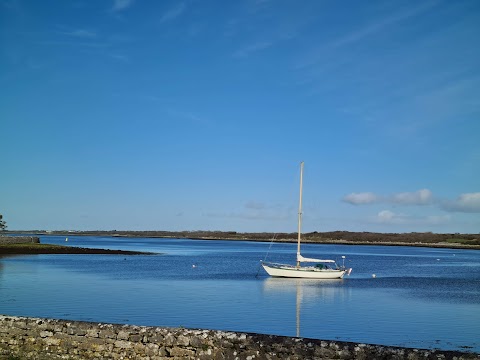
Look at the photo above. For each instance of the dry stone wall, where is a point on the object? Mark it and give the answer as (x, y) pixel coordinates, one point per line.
(42, 339)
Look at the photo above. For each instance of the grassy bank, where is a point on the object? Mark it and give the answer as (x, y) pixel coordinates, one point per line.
(25, 249)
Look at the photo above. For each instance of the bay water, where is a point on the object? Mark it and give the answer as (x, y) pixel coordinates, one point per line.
(400, 296)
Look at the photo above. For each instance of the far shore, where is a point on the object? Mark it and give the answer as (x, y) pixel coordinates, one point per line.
(453, 241)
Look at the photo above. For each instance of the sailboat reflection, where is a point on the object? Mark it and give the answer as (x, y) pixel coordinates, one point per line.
(307, 291)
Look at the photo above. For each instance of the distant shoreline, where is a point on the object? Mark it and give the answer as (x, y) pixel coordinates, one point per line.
(33, 249)
(452, 241)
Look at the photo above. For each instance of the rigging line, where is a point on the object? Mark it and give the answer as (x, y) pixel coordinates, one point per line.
(271, 243)
(260, 265)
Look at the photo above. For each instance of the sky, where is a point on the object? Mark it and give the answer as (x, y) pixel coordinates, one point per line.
(195, 115)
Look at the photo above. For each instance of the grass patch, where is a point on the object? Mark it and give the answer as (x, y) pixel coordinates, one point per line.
(464, 241)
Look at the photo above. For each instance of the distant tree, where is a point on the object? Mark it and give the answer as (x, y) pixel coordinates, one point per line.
(3, 224)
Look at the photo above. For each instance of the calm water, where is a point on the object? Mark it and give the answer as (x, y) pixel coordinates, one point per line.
(421, 297)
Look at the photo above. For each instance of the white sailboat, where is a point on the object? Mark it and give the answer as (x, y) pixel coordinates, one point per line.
(322, 269)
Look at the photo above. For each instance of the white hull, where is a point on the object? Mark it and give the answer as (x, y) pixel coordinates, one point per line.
(310, 272)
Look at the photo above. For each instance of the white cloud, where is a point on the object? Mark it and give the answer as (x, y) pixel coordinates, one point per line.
(389, 217)
(173, 13)
(361, 198)
(120, 5)
(465, 203)
(469, 203)
(420, 197)
(386, 216)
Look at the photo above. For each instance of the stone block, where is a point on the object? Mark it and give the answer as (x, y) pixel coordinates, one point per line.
(151, 349)
(196, 342)
(122, 344)
(107, 334)
(181, 353)
(75, 330)
(162, 352)
(183, 340)
(22, 324)
(44, 334)
(52, 341)
(169, 340)
(155, 338)
(58, 327)
(92, 333)
(135, 338)
(123, 335)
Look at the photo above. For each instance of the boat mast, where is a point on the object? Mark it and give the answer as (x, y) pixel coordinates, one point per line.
(300, 214)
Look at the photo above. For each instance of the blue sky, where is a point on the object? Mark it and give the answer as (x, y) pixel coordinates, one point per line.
(195, 115)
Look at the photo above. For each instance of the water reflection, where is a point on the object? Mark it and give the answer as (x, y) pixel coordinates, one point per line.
(307, 292)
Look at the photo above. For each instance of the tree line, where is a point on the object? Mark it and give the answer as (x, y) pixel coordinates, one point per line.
(333, 236)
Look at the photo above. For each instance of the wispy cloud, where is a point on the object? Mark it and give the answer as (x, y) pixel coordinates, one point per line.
(195, 29)
(381, 24)
(451, 100)
(82, 33)
(120, 57)
(255, 205)
(10, 4)
(187, 116)
(93, 45)
(259, 5)
(325, 53)
(250, 215)
(252, 48)
(120, 5)
(254, 210)
(173, 13)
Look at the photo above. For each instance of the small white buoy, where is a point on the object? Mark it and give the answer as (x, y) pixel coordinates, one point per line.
(194, 266)
(374, 276)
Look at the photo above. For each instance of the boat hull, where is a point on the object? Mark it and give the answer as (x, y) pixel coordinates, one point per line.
(302, 272)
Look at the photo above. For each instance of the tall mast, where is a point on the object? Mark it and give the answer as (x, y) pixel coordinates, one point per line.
(300, 214)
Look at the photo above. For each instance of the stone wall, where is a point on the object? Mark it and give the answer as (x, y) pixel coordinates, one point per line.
(41, 339)
(18, 239)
